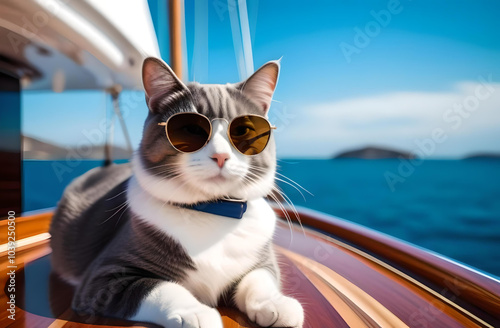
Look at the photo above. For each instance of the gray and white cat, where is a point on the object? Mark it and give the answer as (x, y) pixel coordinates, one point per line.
(121, 238)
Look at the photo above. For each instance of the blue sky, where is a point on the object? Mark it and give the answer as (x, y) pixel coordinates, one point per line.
(395, 91)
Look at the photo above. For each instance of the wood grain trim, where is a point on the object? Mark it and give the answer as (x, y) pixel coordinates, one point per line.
(441, 302)
(369, 306)
(478, 290)
(352, 315)
(29, 225)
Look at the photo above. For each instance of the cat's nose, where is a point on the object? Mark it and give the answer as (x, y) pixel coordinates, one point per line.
(220, 158)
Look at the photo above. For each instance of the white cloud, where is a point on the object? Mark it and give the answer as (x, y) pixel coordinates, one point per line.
(397, 120)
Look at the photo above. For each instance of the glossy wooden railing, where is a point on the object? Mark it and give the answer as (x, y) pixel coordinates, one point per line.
(345, 276)
(478, 292)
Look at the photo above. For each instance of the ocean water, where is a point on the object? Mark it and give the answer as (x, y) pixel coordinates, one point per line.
(448, 206)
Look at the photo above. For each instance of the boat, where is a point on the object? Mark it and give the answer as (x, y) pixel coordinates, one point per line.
(344, 274)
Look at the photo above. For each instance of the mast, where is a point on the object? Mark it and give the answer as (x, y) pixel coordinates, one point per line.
(175, 21)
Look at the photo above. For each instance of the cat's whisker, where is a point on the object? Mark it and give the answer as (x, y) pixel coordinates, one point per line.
(142, 190)
(123, 212)
(283, 194)
(287, 178)
(179, 174)
(168, 165)
(288, 200)
(295, 183)
(292, 206)
(161, 165)
(291, 185)
(171, 173)
(117, 195)
(123, 205)
(114, 208)
(280, 205)
(287, 216)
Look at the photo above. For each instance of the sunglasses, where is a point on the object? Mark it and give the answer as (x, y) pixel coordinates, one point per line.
(190, 132)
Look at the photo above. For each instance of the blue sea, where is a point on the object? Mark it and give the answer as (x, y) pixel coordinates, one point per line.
(448, 206)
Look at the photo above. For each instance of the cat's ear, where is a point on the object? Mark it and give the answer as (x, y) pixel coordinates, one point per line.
(159, 81)
(260, 86)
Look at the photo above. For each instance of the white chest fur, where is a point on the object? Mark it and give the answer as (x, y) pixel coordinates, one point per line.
(222, 248)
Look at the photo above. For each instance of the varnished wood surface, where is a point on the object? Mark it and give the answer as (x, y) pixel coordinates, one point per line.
(479, 293)
(27, 226)
(338, 284)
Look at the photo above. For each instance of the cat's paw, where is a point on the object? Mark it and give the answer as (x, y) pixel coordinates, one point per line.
(201, 316)
(279, 311)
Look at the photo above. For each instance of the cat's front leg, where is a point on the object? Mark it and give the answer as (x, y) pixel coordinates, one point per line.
(258, 295)
(172, 305)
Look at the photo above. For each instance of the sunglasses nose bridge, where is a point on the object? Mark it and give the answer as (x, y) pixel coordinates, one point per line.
(219, 119)
(219, 125)
(219, 142)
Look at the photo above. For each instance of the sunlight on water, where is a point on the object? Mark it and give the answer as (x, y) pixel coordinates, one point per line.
(451, 207)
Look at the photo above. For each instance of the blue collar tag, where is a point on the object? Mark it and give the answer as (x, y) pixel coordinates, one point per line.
(223, 207)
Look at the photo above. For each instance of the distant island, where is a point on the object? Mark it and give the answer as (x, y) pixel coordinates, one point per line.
(483, 156)
(41, 150)
(375, 153)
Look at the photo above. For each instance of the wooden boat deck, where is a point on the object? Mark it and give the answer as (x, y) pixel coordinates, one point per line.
(345, 276)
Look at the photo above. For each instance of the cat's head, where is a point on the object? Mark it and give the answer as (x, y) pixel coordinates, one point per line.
(217, 170)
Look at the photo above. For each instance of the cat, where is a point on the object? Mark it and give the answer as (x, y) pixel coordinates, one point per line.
(125, 237)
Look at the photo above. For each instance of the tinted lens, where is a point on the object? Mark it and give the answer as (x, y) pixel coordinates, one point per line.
(188, 132)
(250, 134)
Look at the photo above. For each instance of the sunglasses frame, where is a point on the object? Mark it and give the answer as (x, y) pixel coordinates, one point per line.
(165, 124)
